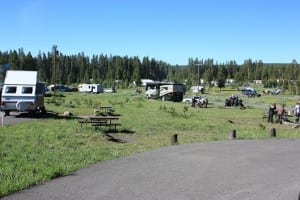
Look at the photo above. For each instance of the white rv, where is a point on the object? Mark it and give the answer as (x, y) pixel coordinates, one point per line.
(172, 92)
(22, 92)
(165, 91)
(90, 88)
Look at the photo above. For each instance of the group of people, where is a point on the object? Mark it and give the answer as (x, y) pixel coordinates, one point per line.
(276, 111)
(234, 101)
(281, 113)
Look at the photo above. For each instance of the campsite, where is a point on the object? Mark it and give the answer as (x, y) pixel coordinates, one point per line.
(54, 146)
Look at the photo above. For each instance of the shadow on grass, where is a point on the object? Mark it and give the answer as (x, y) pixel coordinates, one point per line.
(114, 139)
(114, 131)
(108, 114)
(48, 115)
(118, 139)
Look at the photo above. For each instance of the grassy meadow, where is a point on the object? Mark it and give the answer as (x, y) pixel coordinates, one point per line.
(37, 151)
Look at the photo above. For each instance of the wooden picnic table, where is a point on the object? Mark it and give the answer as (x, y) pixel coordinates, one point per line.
(103, 118)
(97, 121)
(105, 108)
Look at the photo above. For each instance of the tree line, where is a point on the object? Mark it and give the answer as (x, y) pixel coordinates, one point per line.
(121, 71)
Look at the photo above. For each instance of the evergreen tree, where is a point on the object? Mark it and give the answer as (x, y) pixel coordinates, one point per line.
(221, 78)
(136, 70)
(29, 63)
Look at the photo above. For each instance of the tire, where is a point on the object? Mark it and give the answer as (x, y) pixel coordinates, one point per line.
(6, 113)
(43, 110)
(32, 113)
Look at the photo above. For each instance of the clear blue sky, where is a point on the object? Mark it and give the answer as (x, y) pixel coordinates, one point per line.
(169, 30)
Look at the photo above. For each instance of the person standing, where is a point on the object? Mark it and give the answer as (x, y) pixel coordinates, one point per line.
(271, 112)
(297, 112)
(280, 113)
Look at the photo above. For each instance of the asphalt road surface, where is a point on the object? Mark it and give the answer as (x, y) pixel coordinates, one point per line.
(15, 118)
(227, 170)
(20, 117)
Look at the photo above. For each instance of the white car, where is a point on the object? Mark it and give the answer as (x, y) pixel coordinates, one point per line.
(187, 100)
(190, 99)
(110, 90)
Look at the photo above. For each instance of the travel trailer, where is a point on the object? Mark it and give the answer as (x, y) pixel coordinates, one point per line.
(22, 92)
(90, 88)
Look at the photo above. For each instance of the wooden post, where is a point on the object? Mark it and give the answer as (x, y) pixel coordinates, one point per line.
(2, 118)
(174, 139)
(232, 135)
(273, 132)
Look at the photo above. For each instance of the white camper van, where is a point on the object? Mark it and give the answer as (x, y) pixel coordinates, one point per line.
(22, 92)
(90, 88)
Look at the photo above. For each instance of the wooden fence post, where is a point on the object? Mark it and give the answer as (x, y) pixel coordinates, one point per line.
(273, 132)
(232, 135)
(2, 118)
(174, 139)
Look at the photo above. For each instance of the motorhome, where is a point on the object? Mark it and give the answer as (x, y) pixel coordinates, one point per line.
(90, 88)
(171, 92)
(152, 90)
(165, 91)
(22, 92)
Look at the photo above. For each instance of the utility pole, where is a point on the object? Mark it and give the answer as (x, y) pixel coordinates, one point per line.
(248, 75)
(54, 66)
(198, 64)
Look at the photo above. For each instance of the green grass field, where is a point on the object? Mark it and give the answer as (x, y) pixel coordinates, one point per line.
(31, 153)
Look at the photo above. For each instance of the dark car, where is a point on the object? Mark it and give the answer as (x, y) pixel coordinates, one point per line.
(251, 93)
(1, 87)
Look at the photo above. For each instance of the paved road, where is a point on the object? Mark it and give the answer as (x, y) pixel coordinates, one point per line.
(20, 117)
(228, 170)
(15, 118)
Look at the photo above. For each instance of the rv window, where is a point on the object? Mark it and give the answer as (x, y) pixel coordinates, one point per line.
(27, 90)
(11, 90)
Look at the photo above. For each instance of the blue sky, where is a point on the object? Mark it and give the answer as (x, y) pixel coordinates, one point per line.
(169, 30)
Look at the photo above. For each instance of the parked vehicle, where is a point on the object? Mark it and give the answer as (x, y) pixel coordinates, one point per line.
(272, 92)
(90, 88)
(22, 92)
(187, 100)
(1, 87)
(251, 93)
(152, 90)
(110, 90)
(196, 101)
(235, 101)
(152, 93)
(59, 88)
(165, 91)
